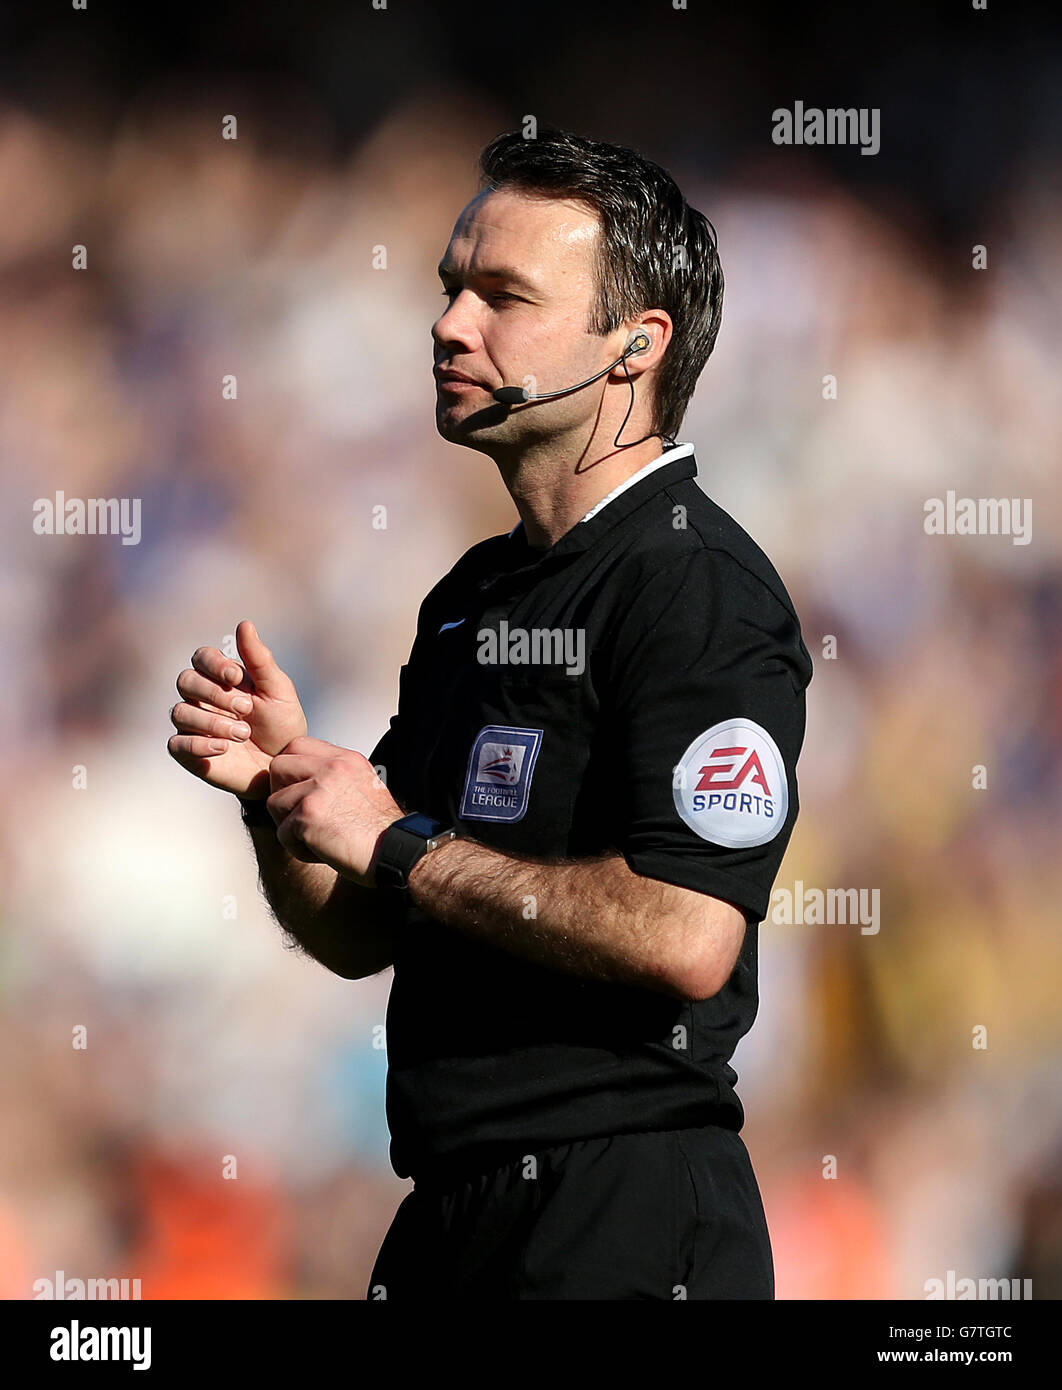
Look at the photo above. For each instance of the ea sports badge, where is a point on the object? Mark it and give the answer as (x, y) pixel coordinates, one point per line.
(730, 785)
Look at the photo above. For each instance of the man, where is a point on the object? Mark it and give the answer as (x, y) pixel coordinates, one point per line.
(605, 706)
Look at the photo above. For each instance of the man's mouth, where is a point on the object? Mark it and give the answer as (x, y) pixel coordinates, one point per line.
(456, 381)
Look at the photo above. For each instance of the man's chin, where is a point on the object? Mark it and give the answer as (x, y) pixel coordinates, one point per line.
(460, 429)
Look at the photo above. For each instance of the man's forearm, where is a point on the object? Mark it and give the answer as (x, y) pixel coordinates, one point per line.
(588, 917)
(345, 927)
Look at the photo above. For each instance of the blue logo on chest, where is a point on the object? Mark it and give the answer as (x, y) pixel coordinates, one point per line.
(498, 780)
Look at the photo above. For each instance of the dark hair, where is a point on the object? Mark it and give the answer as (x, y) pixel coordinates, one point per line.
(656, 252)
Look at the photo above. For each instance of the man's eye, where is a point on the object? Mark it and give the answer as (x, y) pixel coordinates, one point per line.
(497, 294)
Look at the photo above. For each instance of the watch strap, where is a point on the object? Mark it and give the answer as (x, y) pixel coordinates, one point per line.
(403, 844)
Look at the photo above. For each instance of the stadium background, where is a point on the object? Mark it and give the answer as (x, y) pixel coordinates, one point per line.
(359, 128)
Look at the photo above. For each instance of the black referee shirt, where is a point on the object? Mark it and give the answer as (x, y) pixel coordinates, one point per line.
(636, 687)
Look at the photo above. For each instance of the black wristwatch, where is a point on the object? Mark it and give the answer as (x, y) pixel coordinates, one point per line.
(403, 844)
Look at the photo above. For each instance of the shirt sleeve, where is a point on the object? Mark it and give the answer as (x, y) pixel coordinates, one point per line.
(706, 705)
(386, 757)
(392, 754)
(393, 751)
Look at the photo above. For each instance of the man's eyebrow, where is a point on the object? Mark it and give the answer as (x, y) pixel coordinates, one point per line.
(508, 273)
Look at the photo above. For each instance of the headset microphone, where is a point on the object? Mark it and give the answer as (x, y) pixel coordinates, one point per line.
(517, 395)
(511, 395)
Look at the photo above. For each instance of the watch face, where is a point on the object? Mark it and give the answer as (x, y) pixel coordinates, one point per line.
(420, 824)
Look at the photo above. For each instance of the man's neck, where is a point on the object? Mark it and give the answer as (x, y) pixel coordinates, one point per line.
(553, 494)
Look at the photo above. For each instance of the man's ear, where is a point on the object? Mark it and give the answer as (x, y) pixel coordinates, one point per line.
(656, 325)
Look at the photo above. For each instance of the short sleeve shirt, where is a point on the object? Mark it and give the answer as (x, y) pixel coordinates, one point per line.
(638, 689)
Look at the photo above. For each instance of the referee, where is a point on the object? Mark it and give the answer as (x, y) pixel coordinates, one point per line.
(566, 839)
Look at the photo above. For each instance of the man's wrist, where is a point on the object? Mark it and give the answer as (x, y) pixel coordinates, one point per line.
(423, 873)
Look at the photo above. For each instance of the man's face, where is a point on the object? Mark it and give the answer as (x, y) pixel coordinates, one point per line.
(519, 280)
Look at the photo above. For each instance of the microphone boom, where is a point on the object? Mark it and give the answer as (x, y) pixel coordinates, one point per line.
(517, 395)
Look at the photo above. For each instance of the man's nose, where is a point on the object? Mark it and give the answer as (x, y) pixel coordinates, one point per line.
(455, 327)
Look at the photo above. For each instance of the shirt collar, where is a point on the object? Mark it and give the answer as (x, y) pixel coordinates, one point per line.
(680, 451)
(671, 467)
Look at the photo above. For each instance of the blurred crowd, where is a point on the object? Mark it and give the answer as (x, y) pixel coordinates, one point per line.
(189, 1101)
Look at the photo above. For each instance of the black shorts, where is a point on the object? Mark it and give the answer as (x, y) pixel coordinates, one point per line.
(670, 1215)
